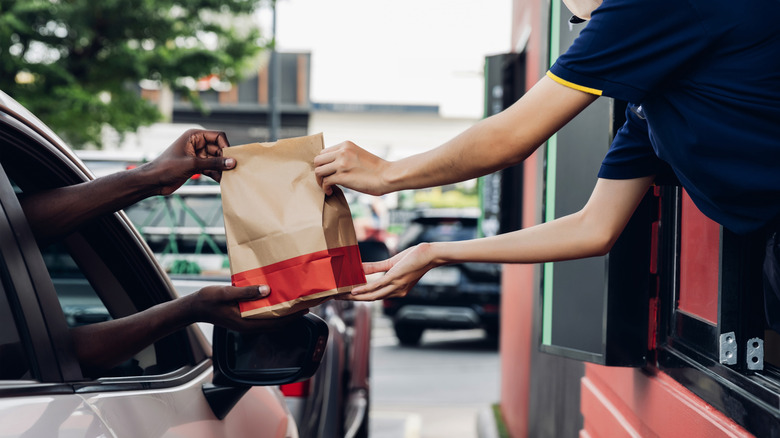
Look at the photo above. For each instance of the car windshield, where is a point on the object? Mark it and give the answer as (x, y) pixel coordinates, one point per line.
(439, 230)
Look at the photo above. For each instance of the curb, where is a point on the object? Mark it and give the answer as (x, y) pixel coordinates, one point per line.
(486, 423)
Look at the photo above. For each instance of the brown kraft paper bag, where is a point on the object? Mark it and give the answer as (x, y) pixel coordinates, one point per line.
(283, 231)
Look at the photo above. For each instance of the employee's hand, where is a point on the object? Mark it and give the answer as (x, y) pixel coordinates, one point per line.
(195, 151)
(348, 165)
(402, 272)
(219, 305)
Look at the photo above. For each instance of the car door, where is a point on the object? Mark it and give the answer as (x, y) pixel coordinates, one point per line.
(35, 398)
(102, 271)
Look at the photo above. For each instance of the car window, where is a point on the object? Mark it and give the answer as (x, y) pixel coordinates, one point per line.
(13, 357)
(89, 293)
(186, 230)
(80, 303)
(438, 230)
(102, 272)
(448, 231)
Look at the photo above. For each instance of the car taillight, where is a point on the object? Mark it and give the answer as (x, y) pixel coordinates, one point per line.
(490, 308)
(297, 389)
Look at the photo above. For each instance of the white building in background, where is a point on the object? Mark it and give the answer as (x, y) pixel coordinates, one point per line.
(423, 60)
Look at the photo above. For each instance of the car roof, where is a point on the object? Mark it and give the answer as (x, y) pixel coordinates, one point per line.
(16, 111)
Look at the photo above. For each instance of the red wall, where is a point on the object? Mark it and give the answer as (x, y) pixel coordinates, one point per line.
(519, 281)
(615, 402)
(629, 402)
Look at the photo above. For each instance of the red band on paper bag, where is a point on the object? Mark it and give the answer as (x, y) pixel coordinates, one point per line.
(309, 274)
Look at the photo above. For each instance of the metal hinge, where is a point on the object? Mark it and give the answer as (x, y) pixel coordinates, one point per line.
(755, 354)
(728, 348)
(754, 357)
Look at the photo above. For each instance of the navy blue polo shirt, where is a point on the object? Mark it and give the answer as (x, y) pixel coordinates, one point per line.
(703, 77)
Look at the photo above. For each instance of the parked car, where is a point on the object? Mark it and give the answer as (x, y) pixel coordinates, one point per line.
(104, 271)
(186, 233)
(459, 296)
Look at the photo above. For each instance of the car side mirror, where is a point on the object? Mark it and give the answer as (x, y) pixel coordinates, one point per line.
(272, 356)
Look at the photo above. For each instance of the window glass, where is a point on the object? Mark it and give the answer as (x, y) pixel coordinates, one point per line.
(699, 263)
(13, 358)
(89, 293)
(101, 271)
(186, 230)
(80, 303)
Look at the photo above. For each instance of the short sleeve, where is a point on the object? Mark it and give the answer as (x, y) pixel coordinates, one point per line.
(631, 154)
(629, 47)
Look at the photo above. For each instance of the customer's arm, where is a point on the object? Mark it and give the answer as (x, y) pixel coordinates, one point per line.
(55, 213)
(104, 345)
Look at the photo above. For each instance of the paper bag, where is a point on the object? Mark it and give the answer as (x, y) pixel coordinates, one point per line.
(283, 231)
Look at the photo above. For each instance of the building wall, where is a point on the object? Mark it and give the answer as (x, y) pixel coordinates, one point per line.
(639, 402)
(390, 135)
(549, 396)
(520, 283)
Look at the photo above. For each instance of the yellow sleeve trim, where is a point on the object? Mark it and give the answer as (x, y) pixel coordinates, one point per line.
(573, 85)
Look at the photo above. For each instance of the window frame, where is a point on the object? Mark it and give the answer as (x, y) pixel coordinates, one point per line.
(38, 304)
(687, 348)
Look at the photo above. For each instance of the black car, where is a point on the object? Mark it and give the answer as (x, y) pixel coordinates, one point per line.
(459, 296)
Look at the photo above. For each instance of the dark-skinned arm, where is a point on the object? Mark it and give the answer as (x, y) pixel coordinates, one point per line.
(104, 345)
(57, 212)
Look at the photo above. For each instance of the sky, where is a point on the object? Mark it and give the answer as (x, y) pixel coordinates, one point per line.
(404, 52)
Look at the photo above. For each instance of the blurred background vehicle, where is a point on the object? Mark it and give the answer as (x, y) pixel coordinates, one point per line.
(186, 233)
(459, 296)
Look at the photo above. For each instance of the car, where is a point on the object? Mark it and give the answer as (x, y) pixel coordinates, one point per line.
(458, 296)
(186, 233)
(174, 387)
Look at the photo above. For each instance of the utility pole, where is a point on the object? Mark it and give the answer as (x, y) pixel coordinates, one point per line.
(274, 73)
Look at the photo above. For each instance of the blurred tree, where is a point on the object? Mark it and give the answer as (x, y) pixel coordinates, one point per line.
(77, 64)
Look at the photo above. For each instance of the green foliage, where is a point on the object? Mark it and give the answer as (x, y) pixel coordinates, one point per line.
(453, 196)
(501, 431)
(77, 64)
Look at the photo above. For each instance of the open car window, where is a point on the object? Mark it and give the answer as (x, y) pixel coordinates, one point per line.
(102, 271)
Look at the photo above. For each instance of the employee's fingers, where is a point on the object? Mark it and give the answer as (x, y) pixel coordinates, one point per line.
(374, 267)
(388, 291)
(326, 156)
(387, 280)
(327, 185)
(324, 172)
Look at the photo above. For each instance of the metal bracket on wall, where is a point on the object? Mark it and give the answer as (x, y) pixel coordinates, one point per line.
(728, 349)
(755, 354)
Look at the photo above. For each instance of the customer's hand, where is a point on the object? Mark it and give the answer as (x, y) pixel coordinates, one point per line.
(195, 151)
(348, 165)
(219, 305)
(402, 272)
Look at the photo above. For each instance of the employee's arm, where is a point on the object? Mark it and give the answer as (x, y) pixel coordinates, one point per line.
(590, 232)
(494, 143)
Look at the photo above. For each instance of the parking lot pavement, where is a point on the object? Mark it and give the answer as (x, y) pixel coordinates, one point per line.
(436, 390)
